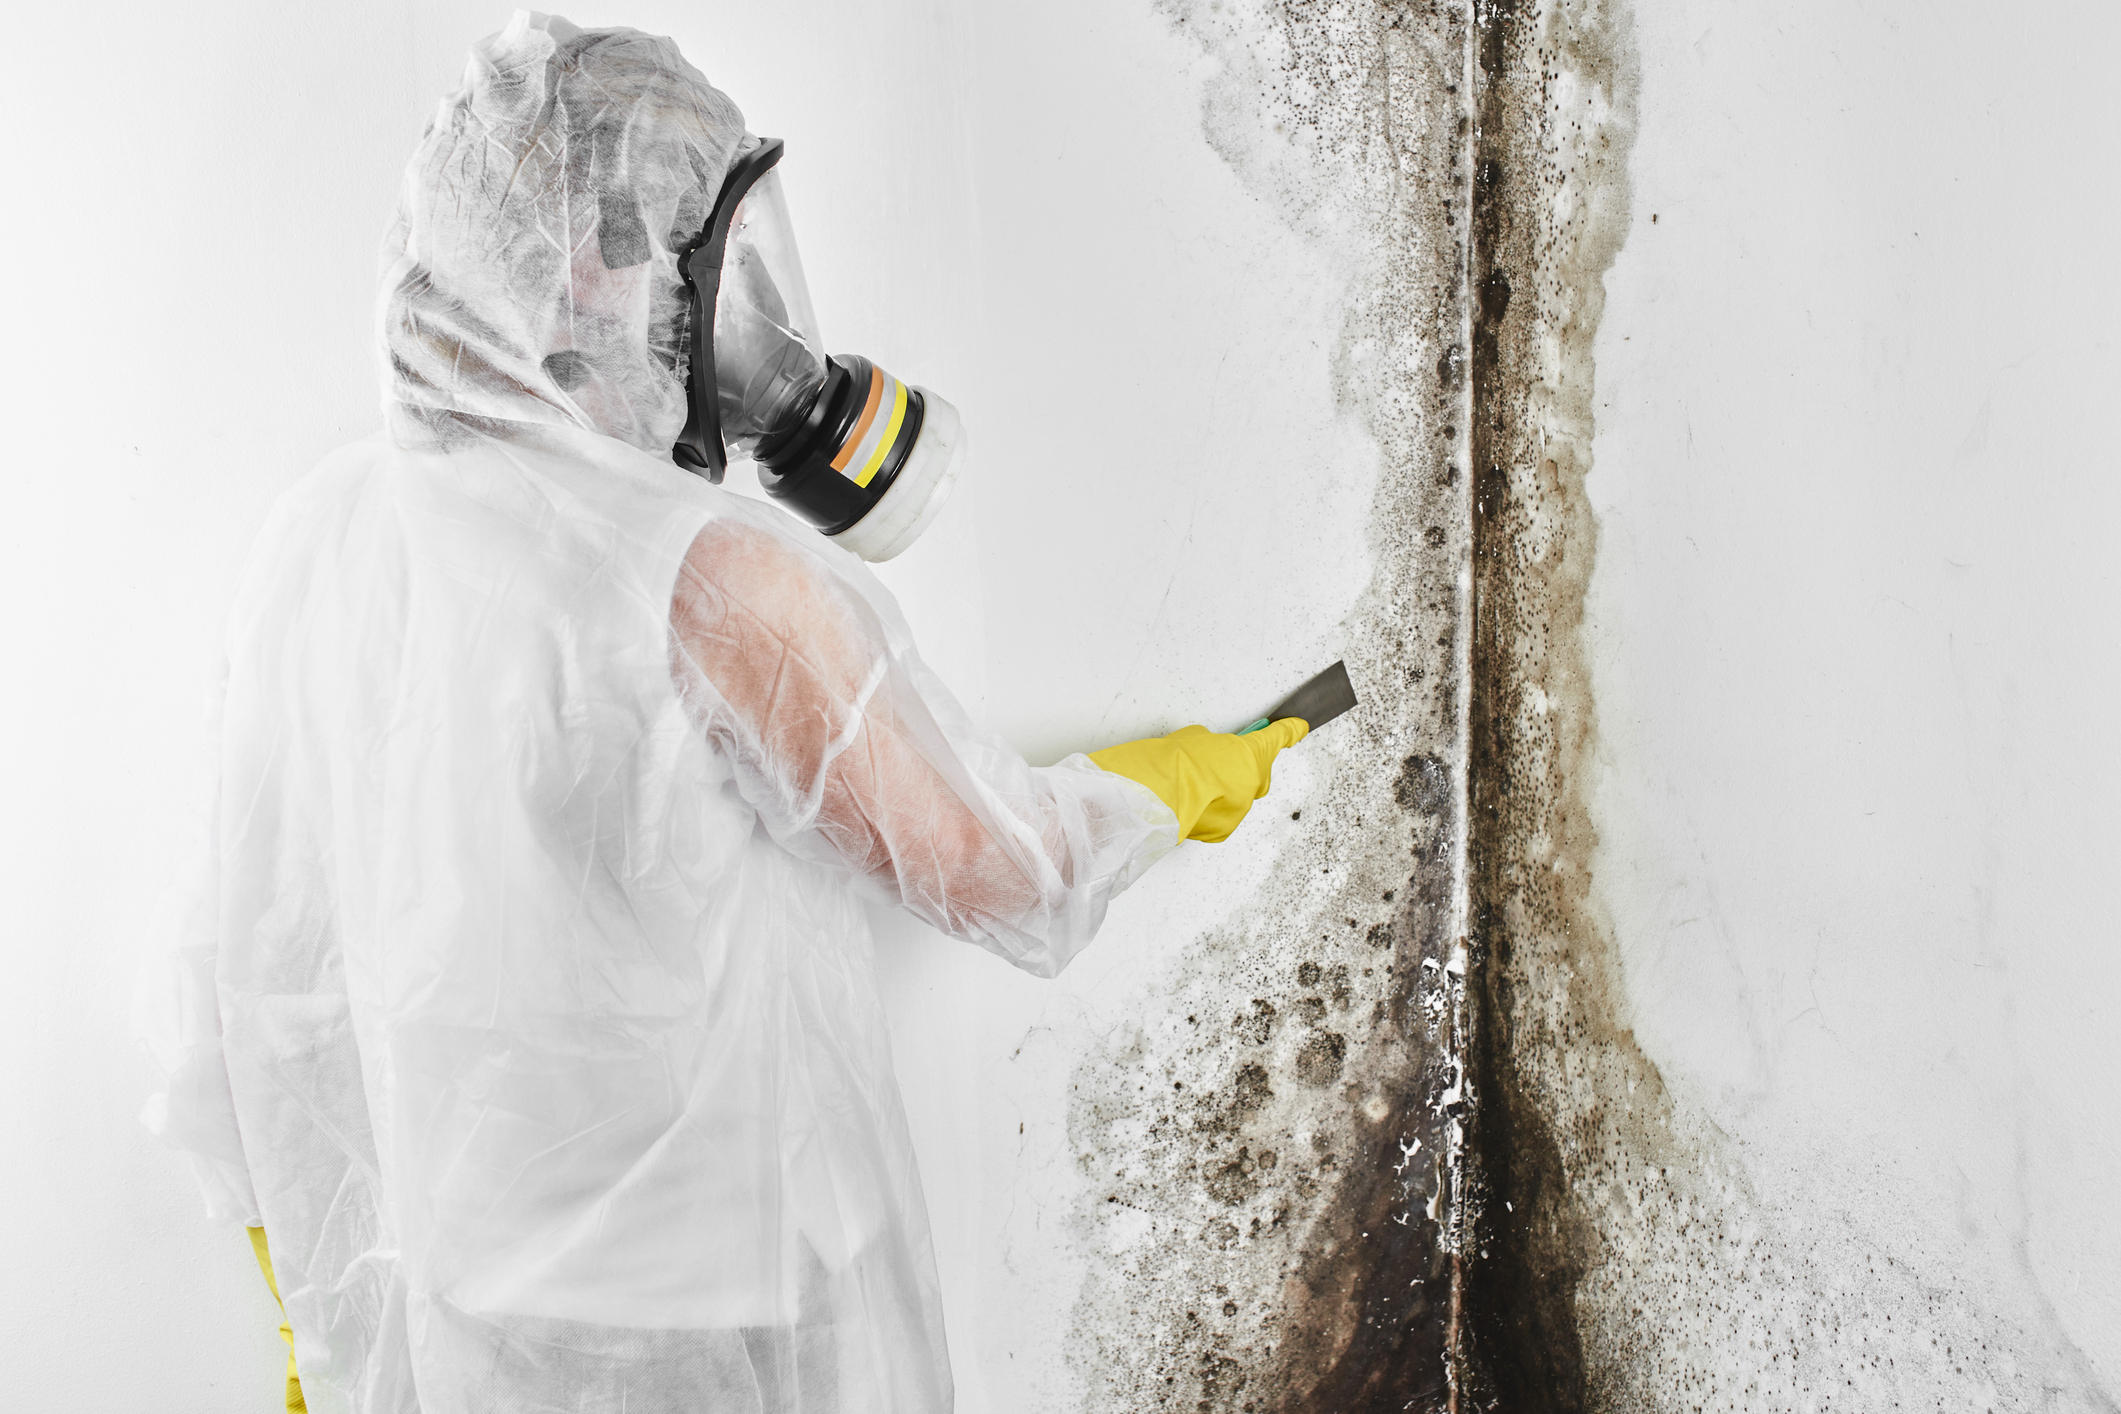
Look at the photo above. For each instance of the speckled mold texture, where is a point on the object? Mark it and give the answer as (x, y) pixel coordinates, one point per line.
(1545, 1053)
(1620, 1253)
(1386, 1141)
(1274, 1143)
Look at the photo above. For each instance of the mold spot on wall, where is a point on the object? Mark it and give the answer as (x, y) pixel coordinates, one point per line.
(1614, 1254)
(1386, 1141)
(1423, 786)
(1299, 1255)
(1319, 1061)
(1256, 1025)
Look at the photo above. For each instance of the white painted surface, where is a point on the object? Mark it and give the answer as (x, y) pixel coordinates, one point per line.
(1852, 619)
(1163, 524)
(1853, 626)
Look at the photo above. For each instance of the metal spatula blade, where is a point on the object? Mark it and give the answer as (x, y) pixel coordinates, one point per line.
(1316, 703)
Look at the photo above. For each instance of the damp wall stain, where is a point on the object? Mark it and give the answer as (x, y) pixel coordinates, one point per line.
(1616, 1255)
(1387, 1141)
(1274, 1138)
(1555, 88)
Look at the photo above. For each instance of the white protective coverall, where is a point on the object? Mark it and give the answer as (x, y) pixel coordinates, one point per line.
(524, 992)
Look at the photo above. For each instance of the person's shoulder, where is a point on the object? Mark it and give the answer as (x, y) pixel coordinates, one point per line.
(354, 504)
(761, 557)
(344, 474)
(747, 559)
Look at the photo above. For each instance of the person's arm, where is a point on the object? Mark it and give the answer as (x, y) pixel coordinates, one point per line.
(851, 751)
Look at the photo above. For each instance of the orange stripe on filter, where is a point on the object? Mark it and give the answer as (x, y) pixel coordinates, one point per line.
(888, 436)
(861, 426)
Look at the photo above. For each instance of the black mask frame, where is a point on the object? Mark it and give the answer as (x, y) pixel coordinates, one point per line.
(699, 447)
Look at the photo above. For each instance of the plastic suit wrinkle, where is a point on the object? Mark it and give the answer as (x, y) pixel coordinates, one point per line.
(743, 603)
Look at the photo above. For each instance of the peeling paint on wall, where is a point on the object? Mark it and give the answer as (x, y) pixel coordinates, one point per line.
(1274, 1141)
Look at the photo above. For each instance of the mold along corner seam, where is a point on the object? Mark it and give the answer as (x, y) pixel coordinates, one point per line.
(1463, 1021)
(1273, 1144)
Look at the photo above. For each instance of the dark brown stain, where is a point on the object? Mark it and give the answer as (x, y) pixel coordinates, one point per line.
(1423, 786)
(1371, 1185)
(1543, 976)
(1300, 1191)
(1519, 1346)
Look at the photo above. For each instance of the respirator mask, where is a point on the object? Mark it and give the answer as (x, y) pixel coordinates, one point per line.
(862, 456)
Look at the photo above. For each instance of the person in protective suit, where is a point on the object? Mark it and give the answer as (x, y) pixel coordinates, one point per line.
(523, 993)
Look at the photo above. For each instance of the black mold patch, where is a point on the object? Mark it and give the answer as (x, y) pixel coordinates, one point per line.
(1299, 1251)
(1545, 981)
(1323, 1235)
(1320, 1060)
(1423, 787)
(1615, 1256)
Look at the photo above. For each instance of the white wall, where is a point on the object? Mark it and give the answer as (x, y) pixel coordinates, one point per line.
(1854, 632)
(1009, 204)
(1852, 621)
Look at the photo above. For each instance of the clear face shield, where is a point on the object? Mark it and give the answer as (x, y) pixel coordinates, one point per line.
(862, 456)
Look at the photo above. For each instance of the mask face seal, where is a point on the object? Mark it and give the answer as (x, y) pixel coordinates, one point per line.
(862, 456)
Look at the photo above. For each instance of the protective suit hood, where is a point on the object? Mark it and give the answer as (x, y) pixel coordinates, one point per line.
(530, 275)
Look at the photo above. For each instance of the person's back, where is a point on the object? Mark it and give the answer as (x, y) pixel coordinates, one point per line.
(541, 1052)
(525, 998)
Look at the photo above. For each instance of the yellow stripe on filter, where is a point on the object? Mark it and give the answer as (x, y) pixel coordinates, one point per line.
(888, 434)
(866, 422)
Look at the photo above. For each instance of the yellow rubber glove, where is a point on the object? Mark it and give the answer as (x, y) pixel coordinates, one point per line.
(1209, 779)
(295, 1403)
